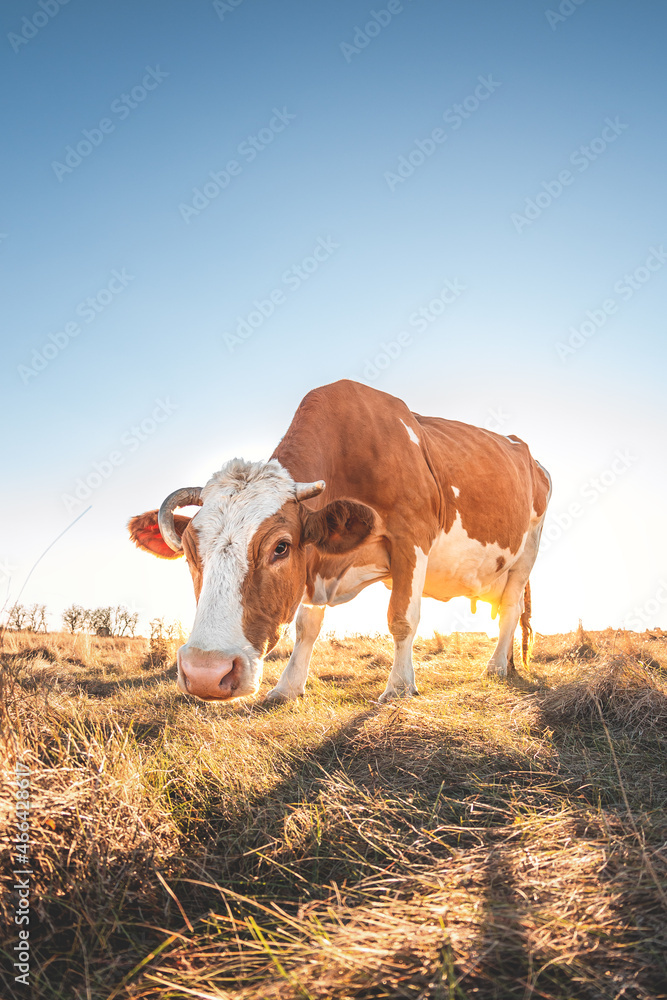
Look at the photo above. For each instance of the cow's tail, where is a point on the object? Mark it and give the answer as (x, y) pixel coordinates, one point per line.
(526, 629)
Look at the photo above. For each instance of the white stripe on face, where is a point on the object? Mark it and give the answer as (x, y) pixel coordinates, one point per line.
(236, 501)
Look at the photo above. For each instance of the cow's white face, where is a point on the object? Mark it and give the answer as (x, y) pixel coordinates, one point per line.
(219, 547)
(247, 551)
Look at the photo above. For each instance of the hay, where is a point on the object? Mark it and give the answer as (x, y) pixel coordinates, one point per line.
(627, 691)
(469, 843)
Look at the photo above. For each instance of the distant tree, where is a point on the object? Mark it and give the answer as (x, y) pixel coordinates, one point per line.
(36, 617)
(101, 621)
(105, 621)
(75, 618)
(125, 621)
(17, 617)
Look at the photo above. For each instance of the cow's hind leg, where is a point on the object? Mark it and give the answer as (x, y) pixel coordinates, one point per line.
(510, 609)
(292, 682)
(408, 576)
(515, 604)
(502, 661)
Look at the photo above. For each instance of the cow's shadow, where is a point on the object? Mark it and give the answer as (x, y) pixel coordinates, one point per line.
(106, 688)
(396, 773)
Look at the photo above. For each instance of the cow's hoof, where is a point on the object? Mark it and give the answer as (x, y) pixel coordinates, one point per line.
(276, 697)
(500, 670)
(391, 694)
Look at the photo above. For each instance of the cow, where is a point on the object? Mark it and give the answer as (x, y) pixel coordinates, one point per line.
(360, 489)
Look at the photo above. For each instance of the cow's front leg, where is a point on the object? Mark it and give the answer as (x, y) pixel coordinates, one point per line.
(292, 682)
(408, 572)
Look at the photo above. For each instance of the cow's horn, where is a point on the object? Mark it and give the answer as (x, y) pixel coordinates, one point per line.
(304, 491)
(165, 519)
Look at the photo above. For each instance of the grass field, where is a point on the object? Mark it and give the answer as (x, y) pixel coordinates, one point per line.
(484, 840)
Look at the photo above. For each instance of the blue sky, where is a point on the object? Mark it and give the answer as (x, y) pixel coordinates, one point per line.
(531, 142)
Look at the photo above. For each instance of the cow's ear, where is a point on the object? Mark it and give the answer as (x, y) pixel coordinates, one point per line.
(145, 533)
(339, 527)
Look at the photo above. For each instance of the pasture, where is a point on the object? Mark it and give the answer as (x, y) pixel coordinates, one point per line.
(484, 840)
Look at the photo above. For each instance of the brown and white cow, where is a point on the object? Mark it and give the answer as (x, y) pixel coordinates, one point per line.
(359, 489)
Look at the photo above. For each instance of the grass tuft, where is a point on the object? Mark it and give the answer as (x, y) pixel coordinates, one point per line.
(628, 691)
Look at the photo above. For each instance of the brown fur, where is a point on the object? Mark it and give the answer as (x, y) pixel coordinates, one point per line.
(191, 551)
(272, 590)
(340, 527)
(269, 596)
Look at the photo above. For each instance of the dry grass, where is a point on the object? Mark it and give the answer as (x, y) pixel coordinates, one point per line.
(483, 840)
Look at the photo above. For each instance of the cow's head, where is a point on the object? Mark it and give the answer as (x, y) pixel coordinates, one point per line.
(246, 549)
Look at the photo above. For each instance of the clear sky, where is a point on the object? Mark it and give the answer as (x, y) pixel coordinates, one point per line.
(169, 166)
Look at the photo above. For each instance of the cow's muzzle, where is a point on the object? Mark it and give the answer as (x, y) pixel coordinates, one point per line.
(213, 675)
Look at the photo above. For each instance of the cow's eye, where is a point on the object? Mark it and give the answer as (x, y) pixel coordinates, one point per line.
(281, 550)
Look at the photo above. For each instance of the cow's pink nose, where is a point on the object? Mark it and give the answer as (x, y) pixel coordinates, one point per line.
(205, 673)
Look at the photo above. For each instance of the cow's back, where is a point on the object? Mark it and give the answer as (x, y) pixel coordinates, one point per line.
(416, 472)
(362, 442)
